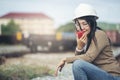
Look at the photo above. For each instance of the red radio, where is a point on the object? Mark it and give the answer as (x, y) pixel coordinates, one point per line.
(80, 33)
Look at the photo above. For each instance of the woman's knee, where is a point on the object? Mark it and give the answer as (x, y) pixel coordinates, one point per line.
(77, 64)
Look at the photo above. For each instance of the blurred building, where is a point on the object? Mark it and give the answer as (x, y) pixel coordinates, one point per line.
(31, 23)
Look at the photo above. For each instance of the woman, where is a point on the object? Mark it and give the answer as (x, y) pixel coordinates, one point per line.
(93, 58)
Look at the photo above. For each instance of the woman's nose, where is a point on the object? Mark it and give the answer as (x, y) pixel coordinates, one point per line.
(83, 27)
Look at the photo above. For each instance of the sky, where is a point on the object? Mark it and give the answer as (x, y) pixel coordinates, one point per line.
(62, 11)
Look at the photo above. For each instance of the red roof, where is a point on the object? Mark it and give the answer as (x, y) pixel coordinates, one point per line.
(24, 15)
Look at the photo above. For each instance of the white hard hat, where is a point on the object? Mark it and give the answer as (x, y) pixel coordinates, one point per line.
(85, 10)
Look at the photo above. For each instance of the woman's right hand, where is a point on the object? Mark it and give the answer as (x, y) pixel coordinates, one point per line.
(81, 41)
(60, 66)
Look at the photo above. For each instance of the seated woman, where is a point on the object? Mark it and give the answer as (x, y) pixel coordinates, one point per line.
(93, 58)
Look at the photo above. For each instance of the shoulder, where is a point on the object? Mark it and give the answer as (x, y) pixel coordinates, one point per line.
(100, 33)
(101, 36)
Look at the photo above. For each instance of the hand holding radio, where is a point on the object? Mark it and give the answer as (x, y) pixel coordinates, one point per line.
(81, 39)
(80, 33)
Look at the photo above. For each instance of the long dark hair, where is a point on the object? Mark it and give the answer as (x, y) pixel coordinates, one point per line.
(91, 20)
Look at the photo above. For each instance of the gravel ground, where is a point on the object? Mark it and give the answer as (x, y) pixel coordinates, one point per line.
(38, 59)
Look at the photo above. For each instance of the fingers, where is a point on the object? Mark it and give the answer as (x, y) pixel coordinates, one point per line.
(84, 35)
(56, 72)
(82, 41)
(84, 38)
(76, 35)
(58, 69)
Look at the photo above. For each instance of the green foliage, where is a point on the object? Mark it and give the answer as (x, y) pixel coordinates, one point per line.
(69, 27)
(109, 26)
(10, 28)
(22, 72)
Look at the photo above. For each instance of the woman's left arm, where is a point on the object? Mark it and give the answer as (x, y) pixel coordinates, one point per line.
(94, 49)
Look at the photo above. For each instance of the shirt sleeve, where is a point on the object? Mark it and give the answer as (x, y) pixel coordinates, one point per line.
(94, 50)
(78, 52)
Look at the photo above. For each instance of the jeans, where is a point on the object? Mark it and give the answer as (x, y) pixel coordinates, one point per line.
(83, 70)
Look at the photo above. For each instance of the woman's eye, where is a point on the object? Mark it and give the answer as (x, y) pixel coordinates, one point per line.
(85, 24)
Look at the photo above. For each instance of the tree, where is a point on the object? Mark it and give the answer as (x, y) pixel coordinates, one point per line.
(69, 27)
(10, 28)
(109, 26)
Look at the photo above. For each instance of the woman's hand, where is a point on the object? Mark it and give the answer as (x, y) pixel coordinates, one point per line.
(60, 66)
(81, 41)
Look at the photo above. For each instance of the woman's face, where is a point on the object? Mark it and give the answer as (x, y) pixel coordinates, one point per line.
(84, 26)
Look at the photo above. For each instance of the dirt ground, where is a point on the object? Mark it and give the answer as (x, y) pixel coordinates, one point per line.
(40, 59)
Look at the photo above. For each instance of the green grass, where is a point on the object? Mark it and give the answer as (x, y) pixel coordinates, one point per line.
(22, 72)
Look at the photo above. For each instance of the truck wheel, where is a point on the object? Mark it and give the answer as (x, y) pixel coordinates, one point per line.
(61, 48)
(33, 49)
